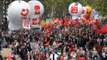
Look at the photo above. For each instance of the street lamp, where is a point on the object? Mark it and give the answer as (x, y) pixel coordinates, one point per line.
(4, 21)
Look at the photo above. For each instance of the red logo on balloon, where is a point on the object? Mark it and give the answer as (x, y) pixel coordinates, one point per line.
(34, 21)
(74, 9)
(37, 9)
(83, 11)
(24, 12)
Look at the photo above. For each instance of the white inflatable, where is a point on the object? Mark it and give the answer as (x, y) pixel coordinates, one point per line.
(93, 13)
(14, 24)
(17, 11)
(33, 0)
(96, 16)
(37, 8)
(37, 11)
(75, 9)
(84, 11)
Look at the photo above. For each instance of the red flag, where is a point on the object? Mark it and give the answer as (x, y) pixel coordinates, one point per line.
(87, 17)
(69, 21)
(64, 21)
(55, 25)
(56, 20)
(93, 20)
(76, 23)
(81, 58)
(82, 20)
(102, 30)
(50, 24)
(94, 27)
(45, 26)
(48, 30)
(96, 23)
(60, 22)
(88, 22)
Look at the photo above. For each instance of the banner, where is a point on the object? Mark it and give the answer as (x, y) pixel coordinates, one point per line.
(36, 21)
(26, 24)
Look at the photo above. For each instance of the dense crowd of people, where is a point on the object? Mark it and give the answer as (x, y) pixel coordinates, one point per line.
(75, 43)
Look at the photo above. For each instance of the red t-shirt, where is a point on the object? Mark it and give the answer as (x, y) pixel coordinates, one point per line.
(81, 58)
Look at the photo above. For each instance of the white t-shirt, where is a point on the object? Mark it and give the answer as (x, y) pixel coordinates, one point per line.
(55, 57)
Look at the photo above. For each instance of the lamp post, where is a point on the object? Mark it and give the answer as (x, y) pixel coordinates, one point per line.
(1, 14)
(4, 8)
(4, 21)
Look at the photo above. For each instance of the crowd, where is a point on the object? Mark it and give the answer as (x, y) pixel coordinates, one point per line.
(75, 43)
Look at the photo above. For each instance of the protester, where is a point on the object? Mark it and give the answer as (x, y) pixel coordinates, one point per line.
(63, 42)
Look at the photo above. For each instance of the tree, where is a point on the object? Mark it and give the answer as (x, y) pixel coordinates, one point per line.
(56, 8)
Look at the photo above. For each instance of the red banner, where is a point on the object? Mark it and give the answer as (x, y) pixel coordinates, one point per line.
(36, 21)
(26, 24)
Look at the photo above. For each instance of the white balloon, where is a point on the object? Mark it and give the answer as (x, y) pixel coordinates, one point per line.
(37, 8)
(96, 16)
(15, 24)
(37, 11)
(75, 9)
(93, 13)
(84, 11)
(18, 10)
(33, 0)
